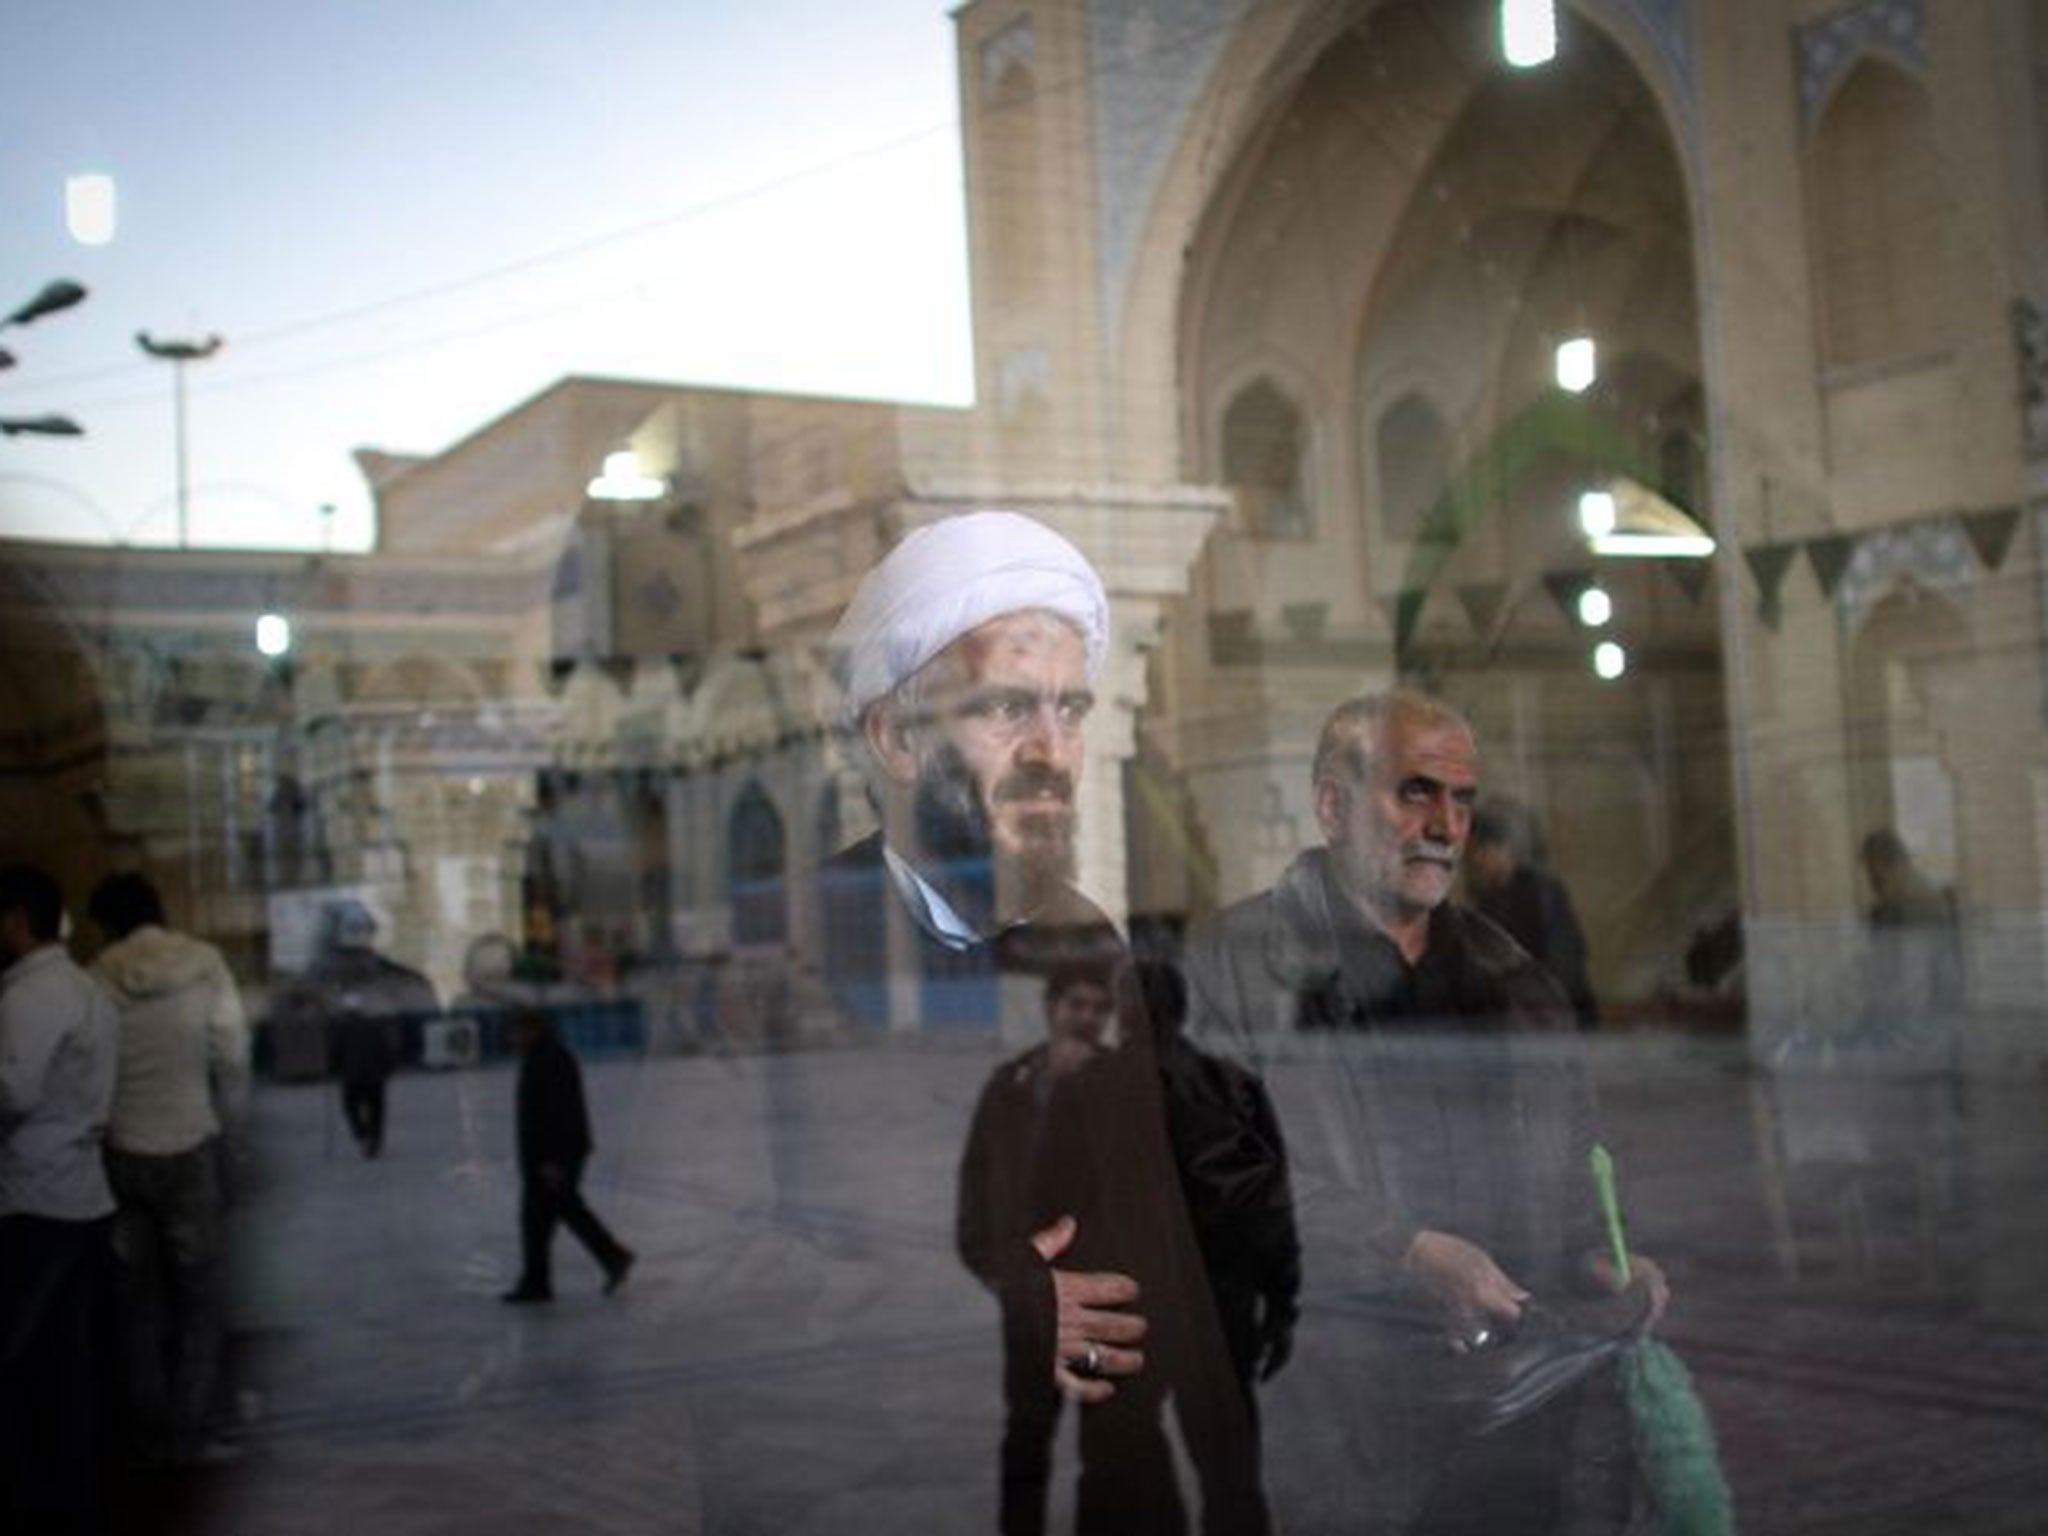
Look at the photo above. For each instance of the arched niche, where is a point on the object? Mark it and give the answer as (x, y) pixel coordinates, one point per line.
(1879, 208)
(1265, 461)
(756, 864)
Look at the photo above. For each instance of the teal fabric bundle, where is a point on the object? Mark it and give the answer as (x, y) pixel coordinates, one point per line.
(1672, 1435)
(1674, 1444)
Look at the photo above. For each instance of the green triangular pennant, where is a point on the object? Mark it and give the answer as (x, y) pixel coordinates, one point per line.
(1481, 601)
(1990, 533)
(1829, 557)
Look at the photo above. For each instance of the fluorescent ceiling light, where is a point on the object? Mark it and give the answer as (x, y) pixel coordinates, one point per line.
(1596, 513)
(1676, 546)
(1609, 660)
(1528, 32)
(1595, 607)
(1627, 518)
(1577, 364)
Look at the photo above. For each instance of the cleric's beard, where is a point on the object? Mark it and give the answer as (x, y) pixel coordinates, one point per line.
(958, 845)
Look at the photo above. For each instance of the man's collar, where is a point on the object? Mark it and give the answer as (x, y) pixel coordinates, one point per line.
(934, 914)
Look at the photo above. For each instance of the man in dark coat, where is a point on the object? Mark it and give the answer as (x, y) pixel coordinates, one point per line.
(1447, 1071)
(964, 665)
(1511, 884)
(993, 1216)
(554, 1143)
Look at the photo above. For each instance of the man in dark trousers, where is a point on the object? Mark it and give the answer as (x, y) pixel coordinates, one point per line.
(1444, 1064)
(993, 1217)
(554, 1143)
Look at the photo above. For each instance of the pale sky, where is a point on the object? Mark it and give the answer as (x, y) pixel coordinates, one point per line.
(407, 219)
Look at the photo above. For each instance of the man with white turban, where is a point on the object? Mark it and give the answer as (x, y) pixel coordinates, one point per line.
(964, 664)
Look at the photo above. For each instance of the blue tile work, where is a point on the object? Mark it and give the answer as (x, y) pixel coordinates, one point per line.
(1148, 62)
(1828, 48)
(1011, 46)
(1933, 554)
(1669, 24)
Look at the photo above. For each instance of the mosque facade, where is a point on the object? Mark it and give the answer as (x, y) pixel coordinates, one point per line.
(1270, 307)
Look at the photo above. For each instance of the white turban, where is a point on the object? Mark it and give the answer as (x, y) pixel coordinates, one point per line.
(950, 577)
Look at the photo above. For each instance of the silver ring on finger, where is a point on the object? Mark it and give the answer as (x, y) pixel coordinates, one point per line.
(1091, 1362)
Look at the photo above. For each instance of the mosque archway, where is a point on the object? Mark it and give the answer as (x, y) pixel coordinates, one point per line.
(1417, 230)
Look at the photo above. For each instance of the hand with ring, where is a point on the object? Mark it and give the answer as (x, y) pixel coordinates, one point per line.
(1097, 1338)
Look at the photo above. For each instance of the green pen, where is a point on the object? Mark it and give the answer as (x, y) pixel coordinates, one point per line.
(1602, 1162)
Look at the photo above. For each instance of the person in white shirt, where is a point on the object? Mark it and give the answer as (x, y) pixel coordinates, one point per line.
(56, 1086)
(183, 1071)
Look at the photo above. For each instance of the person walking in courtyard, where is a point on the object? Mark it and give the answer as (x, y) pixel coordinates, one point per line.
(554, 1143)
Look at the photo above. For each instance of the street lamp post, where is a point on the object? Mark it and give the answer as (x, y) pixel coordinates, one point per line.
(178, 354)
(54, 297)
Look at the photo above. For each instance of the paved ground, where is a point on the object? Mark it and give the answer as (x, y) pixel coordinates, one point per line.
(799, 1352)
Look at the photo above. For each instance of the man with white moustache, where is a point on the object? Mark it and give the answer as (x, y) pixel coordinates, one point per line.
(1446, 1074)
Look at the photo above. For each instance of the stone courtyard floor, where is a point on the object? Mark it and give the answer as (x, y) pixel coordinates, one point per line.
(798, 1350)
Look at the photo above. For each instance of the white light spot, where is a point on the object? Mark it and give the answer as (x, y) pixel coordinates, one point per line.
(1595, 607)
(1596, 513)
(1609, 660)
(90, 208)
(1654, 546)
(273, 634)
(1528, 32)
(1577, 364)
(622, 480)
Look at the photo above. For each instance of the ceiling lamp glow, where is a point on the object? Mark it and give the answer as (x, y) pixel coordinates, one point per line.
(1595, 607)
(1596, 513)
(90, 208)
(1577, 364)
(1626, 518)
(622, 480)
(273, 634)
(1609, 661)
(1528, 32)
(1655, 546)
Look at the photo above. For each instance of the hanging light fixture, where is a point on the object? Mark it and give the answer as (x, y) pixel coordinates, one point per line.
(1577, 364)
(1609, 661)
(1595, 607)
(1626, 518)
(1528, 32)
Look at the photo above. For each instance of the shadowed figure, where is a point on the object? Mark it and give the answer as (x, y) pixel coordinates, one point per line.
(554, 1143)
(366, 1001)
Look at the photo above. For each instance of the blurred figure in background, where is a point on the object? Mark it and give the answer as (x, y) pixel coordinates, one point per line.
(366, 1000)
(1510, 882)
(181, 1082)
(554, 1143)
(1913, 985)
(993, 1219)
(56, 1088)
